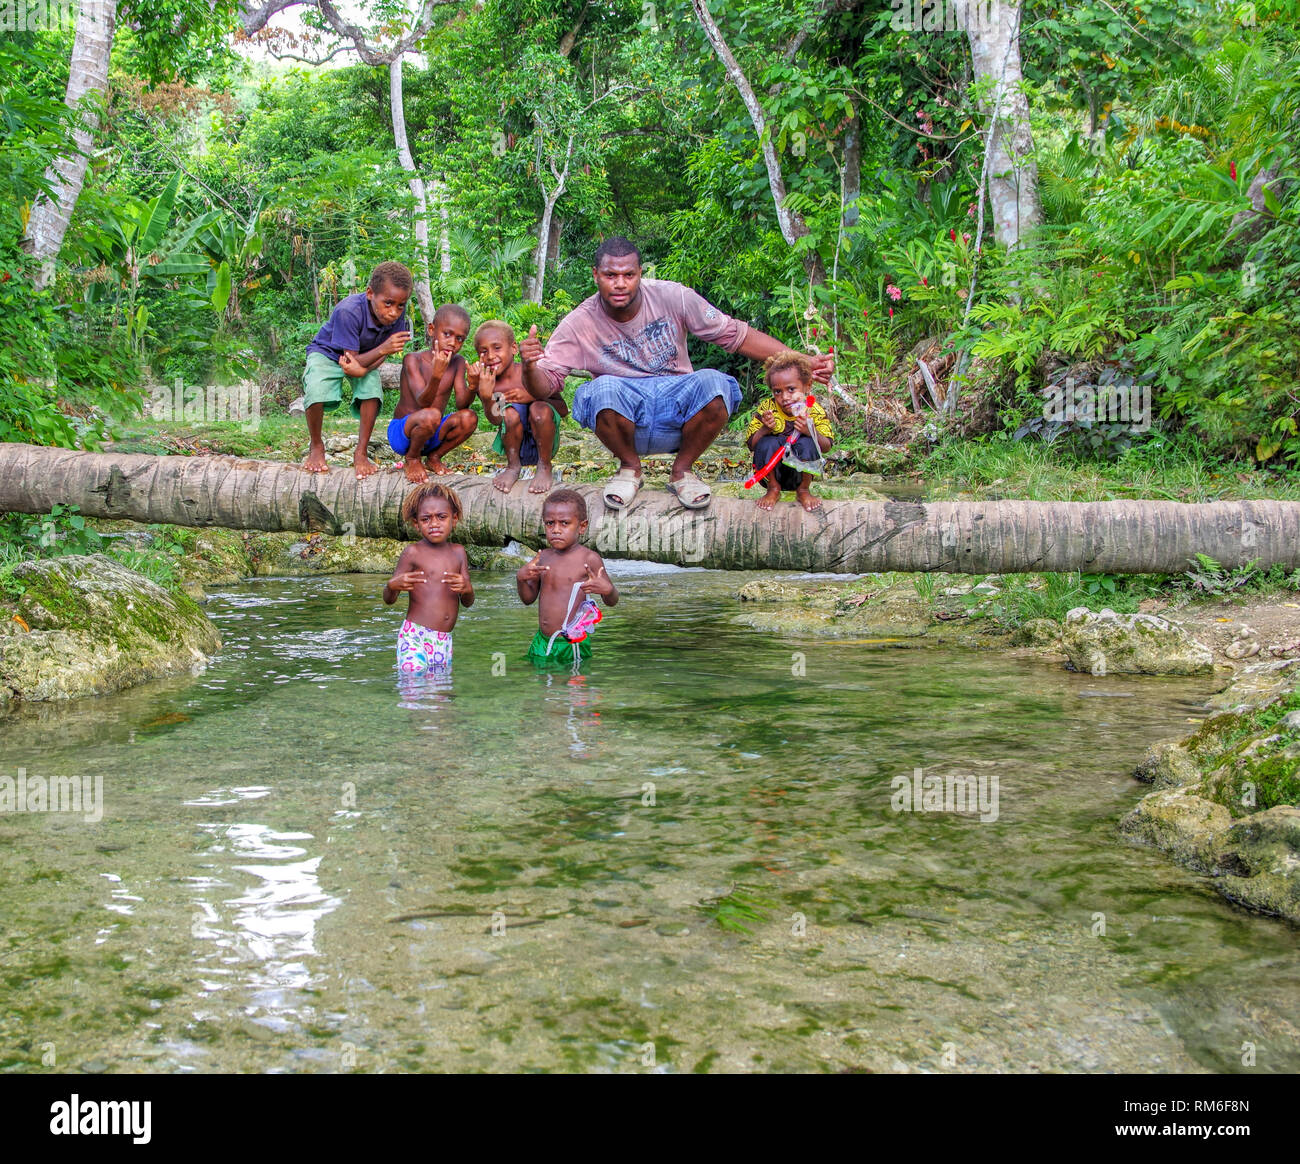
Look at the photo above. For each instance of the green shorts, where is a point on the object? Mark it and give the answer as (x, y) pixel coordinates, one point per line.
(562, 653)
(322, 383)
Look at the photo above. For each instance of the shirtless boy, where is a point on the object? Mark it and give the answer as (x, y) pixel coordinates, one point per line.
(529, 429)
(435, 575)
(420, 425)
(554, 572)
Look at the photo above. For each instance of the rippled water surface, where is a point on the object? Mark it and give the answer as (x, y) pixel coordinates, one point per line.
(305, 865)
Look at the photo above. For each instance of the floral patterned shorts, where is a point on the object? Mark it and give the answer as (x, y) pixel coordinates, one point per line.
(422, 649)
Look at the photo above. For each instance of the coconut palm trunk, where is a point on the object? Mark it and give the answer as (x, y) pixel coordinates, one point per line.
(1113, 537)
(87, 78)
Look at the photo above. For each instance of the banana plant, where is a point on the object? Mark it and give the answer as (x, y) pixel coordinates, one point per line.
(232, 248)
(135, 244)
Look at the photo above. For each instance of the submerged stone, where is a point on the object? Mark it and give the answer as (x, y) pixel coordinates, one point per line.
(86, 625)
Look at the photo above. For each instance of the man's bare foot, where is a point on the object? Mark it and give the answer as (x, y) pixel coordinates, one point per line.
(364, 466)
(415, 473)
(542, 480)
(769, 499)
(506, 479)
(315, 462)
(436, 466)
(805, 498)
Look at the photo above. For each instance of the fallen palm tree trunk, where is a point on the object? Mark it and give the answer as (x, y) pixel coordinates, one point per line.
(850, 537)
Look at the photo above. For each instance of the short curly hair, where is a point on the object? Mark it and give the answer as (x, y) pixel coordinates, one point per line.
(566, 497)
(421, 493)
(392, 275)
(782, 360)
(494, 325)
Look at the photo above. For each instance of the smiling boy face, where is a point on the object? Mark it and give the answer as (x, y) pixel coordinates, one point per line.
(496, 349)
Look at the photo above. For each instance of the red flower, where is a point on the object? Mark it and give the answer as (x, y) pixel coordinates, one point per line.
(1232, 170)
(866, 314)
(952, 234)
(924, 281)
(891, 313)
(6, 277)
(814, 332)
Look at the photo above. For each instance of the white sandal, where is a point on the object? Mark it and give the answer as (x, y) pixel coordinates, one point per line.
(621, 488)
(698, 493)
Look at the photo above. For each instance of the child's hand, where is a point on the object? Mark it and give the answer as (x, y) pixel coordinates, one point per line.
(395, 343)
(531, 571)
(597, 583)
(768, 417)
(530, 351)
(457, 582)
(351, 365)
(440, 361)
(472, 374)
(803, 424)
(516, 396)
(408, 580)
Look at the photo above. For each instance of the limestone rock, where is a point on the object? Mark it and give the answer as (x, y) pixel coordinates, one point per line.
(95, 627)
(1138, 644)
(1168, 765)
(767, 590)
(1257, 684)
(1180, 823)
(1038, 632)
(1258, 862)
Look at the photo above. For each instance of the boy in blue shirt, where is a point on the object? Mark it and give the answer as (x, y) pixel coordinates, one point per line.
(361, 333)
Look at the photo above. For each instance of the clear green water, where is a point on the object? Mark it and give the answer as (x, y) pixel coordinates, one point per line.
(271, 825)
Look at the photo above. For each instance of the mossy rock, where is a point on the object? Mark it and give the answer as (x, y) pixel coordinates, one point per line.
(1168, 765)
(1258, 862)
(1106, 643)
(1181, 823)
(289, 554)
(90, 626)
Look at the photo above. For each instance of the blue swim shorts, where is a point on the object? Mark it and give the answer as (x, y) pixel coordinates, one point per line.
(657, 405)
(400, 442)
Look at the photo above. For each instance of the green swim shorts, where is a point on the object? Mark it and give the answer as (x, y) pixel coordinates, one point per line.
(561, 653)
(322, 383)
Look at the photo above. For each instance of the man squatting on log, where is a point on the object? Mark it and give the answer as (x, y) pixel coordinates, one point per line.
(645, 396)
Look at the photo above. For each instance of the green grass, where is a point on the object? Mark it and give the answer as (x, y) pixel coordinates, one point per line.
(1158, 469)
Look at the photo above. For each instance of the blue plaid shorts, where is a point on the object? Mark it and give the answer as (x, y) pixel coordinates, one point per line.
(657, 405)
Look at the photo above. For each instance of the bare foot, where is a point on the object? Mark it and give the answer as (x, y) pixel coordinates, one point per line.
(769, 499)
(805, 498)
(415, 473)
(542, 481)
(364, 466)
(315, 462)
(506, 479)
(436, 466)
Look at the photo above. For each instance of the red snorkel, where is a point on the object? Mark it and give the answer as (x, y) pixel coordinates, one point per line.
(759, 474)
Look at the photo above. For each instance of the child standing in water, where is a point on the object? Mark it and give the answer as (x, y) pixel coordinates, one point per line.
(562, 574)
(435, 575)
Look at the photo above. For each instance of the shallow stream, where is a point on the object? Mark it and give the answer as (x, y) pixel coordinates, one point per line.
(305, 865)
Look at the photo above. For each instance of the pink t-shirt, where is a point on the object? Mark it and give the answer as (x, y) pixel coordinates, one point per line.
(651, 343)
